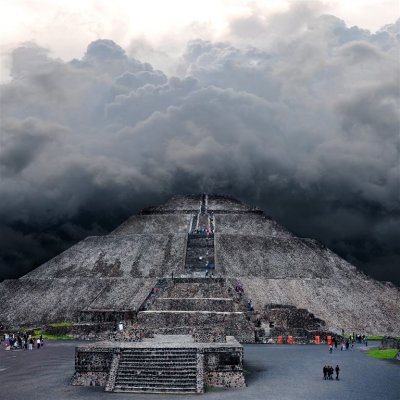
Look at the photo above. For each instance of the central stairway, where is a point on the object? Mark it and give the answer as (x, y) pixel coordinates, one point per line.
(190, 304)
(157, 370)
(197, 300)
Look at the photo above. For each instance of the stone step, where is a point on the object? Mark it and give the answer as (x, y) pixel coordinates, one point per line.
(208, 288)
(153, 366)
(171, 361)
(139, 374)
(146, 389)
(155, 350)
(194, 304)
(152, 381)
(167, 351)
(158, 319)
(200, 244)
(159, 356)
(157, 373)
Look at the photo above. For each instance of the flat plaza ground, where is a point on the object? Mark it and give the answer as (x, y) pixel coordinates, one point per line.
(272, 372)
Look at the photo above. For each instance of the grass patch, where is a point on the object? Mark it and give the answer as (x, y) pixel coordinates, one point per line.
(385, 354)
(60, 324)
(38, 332)
(380, 337)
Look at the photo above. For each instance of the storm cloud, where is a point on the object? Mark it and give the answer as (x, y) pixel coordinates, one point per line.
(297, 115)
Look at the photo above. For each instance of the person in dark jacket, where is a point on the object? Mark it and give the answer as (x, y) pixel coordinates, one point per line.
(337, 369)
(325, 370)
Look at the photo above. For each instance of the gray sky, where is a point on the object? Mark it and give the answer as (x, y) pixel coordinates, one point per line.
(282, 105)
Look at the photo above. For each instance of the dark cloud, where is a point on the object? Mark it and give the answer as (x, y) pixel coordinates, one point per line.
(297, 115)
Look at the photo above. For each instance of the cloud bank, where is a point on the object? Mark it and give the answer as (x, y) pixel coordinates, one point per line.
(297, 115)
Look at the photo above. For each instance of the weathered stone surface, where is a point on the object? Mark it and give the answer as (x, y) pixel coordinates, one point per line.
(226, 204)
(154, 224)
(390, 343)
(117, 271)
(355, 304)
(278, 258)
(249, 224)
(173, 364)
(177, 204)
(137, 256)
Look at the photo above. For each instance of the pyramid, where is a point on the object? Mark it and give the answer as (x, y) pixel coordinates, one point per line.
(206, 246)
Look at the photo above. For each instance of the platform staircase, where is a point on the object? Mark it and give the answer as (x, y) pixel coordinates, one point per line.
(155, 370)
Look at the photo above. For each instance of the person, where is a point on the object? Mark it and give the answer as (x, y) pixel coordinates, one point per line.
(366, 341)
(30, 344)
(38, 343)
(337, 369)
(331, 372)
(325, 371)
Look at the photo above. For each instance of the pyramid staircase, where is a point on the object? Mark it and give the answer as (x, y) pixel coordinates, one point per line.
(195, 300)
(155, 370)
(190, 304)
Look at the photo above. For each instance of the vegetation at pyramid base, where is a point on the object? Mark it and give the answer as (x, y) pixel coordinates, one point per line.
(38, 332)
(386, 354)
(60, 324)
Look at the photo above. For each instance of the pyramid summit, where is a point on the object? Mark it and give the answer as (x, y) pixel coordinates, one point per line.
(218, 253)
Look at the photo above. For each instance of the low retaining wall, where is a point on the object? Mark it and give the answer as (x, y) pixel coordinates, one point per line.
(92, 366)
(389, 342)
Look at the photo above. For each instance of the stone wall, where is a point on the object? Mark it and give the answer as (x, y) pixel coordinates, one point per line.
(390, 343)
(249, 224)
(92, 366)
(154, 224)
(235, 324)
(224, 367)
(195, 304)
(289, 317)
(106, 316)
(210, 335)
(112, 256)
(217, 364)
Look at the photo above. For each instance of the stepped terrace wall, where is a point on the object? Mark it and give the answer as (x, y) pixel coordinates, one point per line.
(355, 305)
(154, 224)
(35, 302)
(136, 256)
(249, 224)
(273, 257)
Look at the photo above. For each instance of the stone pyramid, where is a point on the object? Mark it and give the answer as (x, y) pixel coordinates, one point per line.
(115, 275)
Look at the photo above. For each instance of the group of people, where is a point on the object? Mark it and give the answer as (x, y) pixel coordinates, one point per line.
(328, 372)
(24, 341)
(359, 339)
(203, 231)
(348, 344)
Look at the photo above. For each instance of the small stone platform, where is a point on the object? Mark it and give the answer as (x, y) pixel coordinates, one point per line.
(163, 364)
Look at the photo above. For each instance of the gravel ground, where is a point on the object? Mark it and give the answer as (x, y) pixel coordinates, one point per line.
(272, 372)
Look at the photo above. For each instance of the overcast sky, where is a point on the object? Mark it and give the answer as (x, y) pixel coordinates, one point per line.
(108, 107)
